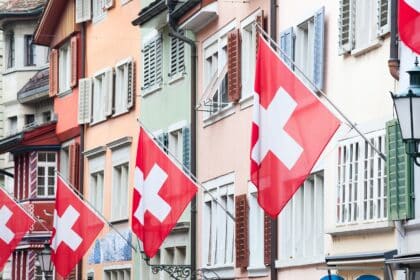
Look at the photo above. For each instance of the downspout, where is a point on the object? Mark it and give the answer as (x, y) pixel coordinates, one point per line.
(274, 222)
(191, 43)
(394, 62)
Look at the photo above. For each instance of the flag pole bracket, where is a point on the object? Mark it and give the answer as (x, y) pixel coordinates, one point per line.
(175, 271)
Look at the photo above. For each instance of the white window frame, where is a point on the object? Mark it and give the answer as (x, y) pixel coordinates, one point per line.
(96, 163)
(117, 272)
(304, 47)
(10, 58)
(219, 259)
(64, 68)
(101, 90)
(122, 86)
(352, 211)
(46, 165)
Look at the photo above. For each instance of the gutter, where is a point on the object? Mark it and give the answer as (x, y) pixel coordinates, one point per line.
(393, 61)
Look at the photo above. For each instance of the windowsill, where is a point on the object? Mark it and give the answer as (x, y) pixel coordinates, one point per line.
(97, 122)
(362, 50)
(246, 102)
(119, 221)
(176, 77)
(257, 271)
(64, 93)
(117, 114)
(366, 227)
(223, 113)
(222, 271)
(151, 90)
(412, 224)
(300, 261)
(24, 69)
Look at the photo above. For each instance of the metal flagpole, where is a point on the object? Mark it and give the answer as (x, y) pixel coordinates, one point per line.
(289, 59)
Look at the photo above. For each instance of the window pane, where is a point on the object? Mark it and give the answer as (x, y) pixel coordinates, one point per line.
(41, 156)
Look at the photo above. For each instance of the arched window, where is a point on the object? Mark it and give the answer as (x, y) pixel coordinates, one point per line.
(367, 277)
(332, 277)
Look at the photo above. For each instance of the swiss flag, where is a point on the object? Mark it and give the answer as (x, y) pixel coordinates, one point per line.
(409, 23)
(161, 193)
(75, 228)
(290, 129)
(14, 224)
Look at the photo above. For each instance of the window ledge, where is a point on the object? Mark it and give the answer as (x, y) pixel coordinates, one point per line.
(117, 114)
(64, 93)
(257, 271)
(176, 77)
(124, 2)
(151, 90)
(97, 122)
(24, 69)
(98, 19)
(225, 271)
(246, 102)
(300, 261)
(361, 227)
(362, 50)
(412, 224)
(224, 113)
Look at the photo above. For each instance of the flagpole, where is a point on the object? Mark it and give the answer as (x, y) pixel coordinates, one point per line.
(96, 211)
(186, 170)
(265, 35)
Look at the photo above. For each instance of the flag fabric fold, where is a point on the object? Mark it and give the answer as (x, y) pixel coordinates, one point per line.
(409, 23)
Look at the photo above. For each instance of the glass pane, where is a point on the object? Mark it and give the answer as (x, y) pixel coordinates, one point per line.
(41, 156)
(41, 191)
(50, 181)
(41, 171)
(51, 157)
(51, 171)
(41, 181)
(50, 190)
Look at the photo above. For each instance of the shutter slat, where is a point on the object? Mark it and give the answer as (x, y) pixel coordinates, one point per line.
(83, 10)
(234, 65)
(241, 231)
(131, 84)
(318, 68)
(85, 92)
(53, 73)
(74, 61)
(346, 26)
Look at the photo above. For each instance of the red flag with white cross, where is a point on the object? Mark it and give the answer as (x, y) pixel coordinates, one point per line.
(14, 224)
(409, 23)
(290, 129)
(162, 191)
(75, 228)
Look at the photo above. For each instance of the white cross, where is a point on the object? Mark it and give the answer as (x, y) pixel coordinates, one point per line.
(63, 229)
(272, 136)
(5, 233)
(149, 190)
(415, 4)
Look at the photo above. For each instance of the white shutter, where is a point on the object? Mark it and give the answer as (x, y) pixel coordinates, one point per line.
(109, 91)
(152, 63)
(146, 66)
(85, 91)
(130, 84)
(346, 25)
(177, 56)
(108, 3)
(83, 10)
(383, 17)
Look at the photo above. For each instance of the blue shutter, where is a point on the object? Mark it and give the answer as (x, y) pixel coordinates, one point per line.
(186, 147)
(287, 46)
(318, 74)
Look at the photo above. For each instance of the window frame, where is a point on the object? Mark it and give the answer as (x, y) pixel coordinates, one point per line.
(101, 89)
(46, 165)
(64, 68)
(117, 269)
(123, 85)
(30, 51)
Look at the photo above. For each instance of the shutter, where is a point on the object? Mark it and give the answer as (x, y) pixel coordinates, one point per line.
(53, 73)
(287, 39)
(131, 75)
(109, 90)
(318, 68)
(346, 25)
(83, 10)
(85, 92)
(177, 56)
(267, 240)
(259, 20)
(241, 231)
(400, 175)
(109, 3)
(234, 65)
(146, 66)
(163, 141)
(158, 61)
(186, 147)
(74, 150)
(383, 16)
(74, 61)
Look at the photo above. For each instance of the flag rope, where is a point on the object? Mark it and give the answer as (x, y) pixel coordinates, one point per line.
(80, 195)
(289, 59)
(186, 170)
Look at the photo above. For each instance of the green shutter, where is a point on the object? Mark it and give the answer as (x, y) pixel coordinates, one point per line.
(399, 171)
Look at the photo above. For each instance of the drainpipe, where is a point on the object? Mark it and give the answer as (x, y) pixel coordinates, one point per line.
(394, 62)
(274, 222)
(191, 43)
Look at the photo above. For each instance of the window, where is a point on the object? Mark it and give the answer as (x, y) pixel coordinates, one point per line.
(248, 50)
(64, 68)
(256, 231)
(29, 51)
(47, 163)
(12, 121)
(46, 116)
(102, 95)
(177, 56)
(361, 180)
(301, 224)
(120, 192)
(117, 274)
(64, 162)
(98, 9)
(124, 95)
(218, 233)
(361, 23)
(175, 143)
(29, 120)
(96, 190)
(152, 64)
(10, 44)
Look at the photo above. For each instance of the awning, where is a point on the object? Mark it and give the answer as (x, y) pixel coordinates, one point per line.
(405, 260)
(359, 261)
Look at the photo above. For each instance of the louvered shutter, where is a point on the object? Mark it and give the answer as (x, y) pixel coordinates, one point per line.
(234, 65)
(53, 73)
(146, 66)
(74, 151)
(163, 141)
(383, 16)
(241, 231)
(83, 10)
(346, 25)
(74, 61)
(267, 240)
(108, 3)
(109, 91)
(259, 20)
(318, 67)
(152, 63)
(400, 175)
(287, 39)
(131, 75)
(158, 61)
(177, 56)
(186, 147)
(85, 92)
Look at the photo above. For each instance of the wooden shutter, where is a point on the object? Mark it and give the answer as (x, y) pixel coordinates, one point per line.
(400, 175)
(74, 61)
(287, 39)
(259, 20)
(83, 10)
(346, 25)
(109, 91)
(177, 56)
(241, 231)
(131, 75)
(186, 147)
(267, 240)
(383, 12)
(53, 73)
(85, 92)
(318, 67)
(234, 65)
(109, 3)
(74, 151)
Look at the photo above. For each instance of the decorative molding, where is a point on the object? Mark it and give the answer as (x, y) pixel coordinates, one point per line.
(95, 152)
(124, 141)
